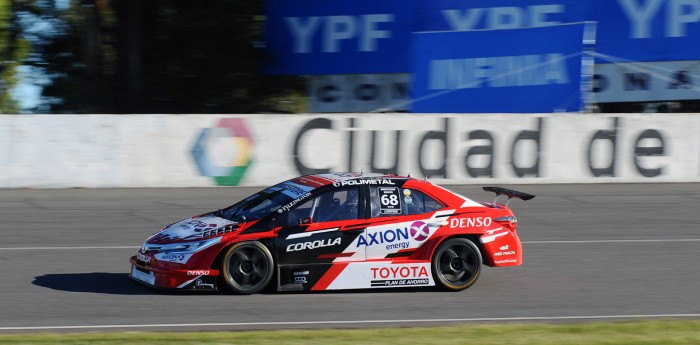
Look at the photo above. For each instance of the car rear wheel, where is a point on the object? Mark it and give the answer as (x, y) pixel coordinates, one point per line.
(456, 264)
(247, 267)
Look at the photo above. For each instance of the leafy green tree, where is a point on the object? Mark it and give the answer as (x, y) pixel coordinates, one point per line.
(13, 50)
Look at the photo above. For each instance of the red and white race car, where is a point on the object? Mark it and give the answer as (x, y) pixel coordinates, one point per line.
(335, 231)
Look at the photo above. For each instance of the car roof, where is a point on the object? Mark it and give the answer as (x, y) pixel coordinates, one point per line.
(320, 180)
(310, 182)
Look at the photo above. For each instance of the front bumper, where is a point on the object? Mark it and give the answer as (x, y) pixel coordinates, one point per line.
(173, 279)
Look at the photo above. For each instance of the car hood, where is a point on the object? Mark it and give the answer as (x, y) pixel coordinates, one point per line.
(189, 229)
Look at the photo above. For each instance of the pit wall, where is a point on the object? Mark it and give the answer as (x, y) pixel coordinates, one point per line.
(92, 151)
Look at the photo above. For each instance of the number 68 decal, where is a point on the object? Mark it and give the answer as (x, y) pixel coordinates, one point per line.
(389, 200)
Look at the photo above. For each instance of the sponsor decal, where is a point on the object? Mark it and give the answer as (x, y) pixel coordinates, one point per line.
(395, 238)
(382, 237)
(208, 142)
(294, 190)
(504, 251)
(177, 258)
(143, 258)
(399, 276)
(191, 228)
(470, 222)
(506, 261)
(200, 226)
(294, 202)
(363, 182)
(200, 284)
(300, 277)
(313, 244)
(407, 199)
(399, 272)
(198, 273)
(173, 257)
(420, 231)
(337, 177)
(310, 181)
(400, 245)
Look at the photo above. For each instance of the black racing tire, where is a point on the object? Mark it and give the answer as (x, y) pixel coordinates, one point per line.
(247, 267)
(456, 264)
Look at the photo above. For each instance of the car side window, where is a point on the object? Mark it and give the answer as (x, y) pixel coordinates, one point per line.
(299, 213)
(333, 205)
(418, 202)
(394, 201)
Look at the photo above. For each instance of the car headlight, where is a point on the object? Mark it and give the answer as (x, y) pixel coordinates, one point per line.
(183, 247)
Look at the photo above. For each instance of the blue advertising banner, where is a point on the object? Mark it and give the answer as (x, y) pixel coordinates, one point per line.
(338, 37)
(468, 15)
(513, 71)
(651, 30)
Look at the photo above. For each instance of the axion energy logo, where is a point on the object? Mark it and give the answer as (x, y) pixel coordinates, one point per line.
(395, 238)
(419, 231)
(224, 152)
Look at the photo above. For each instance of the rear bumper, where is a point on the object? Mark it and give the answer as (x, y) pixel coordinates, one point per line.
(172, 279)
(502, 248)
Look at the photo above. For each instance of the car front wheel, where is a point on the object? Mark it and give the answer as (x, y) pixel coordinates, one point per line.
(247, 267)
(456, 264)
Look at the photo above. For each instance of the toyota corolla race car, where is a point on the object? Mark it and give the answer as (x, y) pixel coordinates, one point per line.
(335, 231)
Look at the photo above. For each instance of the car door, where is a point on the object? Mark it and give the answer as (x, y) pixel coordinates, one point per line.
(399, 221)
(320, 230)
(317, 234)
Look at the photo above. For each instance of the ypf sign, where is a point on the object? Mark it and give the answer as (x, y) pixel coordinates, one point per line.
(315, 37)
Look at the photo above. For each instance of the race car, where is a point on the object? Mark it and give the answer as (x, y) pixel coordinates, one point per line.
(335, 231)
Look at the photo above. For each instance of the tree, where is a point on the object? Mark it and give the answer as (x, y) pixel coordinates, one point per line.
(13, 50)
(159, 56)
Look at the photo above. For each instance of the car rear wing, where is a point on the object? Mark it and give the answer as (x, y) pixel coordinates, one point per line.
(508, 193)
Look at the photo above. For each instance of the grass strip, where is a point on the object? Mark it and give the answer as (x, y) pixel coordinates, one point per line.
(667, 332)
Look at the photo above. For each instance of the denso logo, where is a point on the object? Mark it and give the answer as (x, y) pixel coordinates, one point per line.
(470, 222)
(381, 237)
(399, 272)
(313, 245)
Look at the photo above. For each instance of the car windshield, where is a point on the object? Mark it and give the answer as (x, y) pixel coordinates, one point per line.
(264, 202)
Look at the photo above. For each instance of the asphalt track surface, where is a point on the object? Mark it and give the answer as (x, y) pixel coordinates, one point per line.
(591, 252)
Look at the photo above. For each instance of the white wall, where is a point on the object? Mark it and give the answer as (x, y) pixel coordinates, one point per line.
(57, 151)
